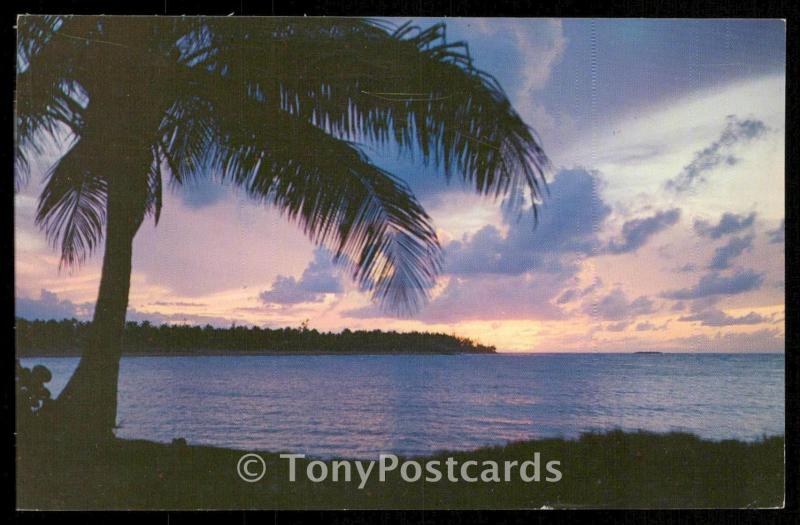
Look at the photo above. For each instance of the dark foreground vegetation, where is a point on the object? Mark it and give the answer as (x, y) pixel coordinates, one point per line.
(68, 337)
(612, 470)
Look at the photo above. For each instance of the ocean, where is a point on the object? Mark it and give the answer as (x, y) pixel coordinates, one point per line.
(359, 406)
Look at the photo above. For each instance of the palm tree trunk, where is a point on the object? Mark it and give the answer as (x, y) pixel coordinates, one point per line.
(87, 407)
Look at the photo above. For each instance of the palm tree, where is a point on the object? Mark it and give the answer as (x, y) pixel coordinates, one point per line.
(273, 106)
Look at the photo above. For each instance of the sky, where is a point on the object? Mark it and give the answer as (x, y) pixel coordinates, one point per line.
(662, 230)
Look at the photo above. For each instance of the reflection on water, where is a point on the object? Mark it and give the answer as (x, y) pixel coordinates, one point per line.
(359, 406)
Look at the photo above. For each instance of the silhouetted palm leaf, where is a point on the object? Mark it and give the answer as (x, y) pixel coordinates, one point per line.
(49, 96)
(72, 206)
(274, 106)
(368, 216)
(358, 82)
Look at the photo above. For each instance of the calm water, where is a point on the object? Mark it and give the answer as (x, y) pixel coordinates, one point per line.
(359, 406)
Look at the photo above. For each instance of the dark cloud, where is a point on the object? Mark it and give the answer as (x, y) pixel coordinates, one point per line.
(719, 153)
(49, 306)
(686, 268)
(778, 235)
(568, 222)
(728, 223)
(636, 232)
(615, 306)
(717, 317)
(713, 284)
(318, 279)
(729, 251)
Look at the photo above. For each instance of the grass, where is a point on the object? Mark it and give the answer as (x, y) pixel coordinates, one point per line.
(609, 470)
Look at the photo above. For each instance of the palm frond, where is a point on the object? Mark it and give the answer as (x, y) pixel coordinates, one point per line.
(33, 34)
(72, 207)
(49, 100)
(368, 217)
(411, 87)
(275, 106)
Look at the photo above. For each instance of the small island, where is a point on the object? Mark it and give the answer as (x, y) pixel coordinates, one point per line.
(66, 338)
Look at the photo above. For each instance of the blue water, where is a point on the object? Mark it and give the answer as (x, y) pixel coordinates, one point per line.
(360, 406)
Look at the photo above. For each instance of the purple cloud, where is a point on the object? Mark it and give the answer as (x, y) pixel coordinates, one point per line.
(636, 232)
(778, 235)
(615, 306)
(618, 327)
(716, 317)
(718, 153)
(713, 284)
(318, 279)
(728, 223)
(49, 306)
(729, 251)
(765, 340)
(567, 227)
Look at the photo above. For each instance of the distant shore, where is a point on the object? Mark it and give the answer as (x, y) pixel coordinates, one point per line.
(65, 338)
(212, 352)
(609, 470)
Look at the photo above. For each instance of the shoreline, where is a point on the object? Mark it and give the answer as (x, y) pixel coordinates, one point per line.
(241, 353)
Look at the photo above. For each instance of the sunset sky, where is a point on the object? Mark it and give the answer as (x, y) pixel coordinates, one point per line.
(663, 229)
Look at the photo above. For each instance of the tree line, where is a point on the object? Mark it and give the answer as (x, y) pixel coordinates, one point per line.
(68, 337)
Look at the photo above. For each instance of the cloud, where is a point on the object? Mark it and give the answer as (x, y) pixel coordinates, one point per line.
(713, 284)
(528, 296)
(615, 306)
(511, 297)
(568, 222)
(525, 269)
(718, 153)
(179, 303)
(647, 326)
(636, 232)
(715, 317)
(765, 340)
(49, 306)
(568, 296)
(728, 223)
(540, 42)
(318, 279)
(778, 235)
(618, 327)
(181, 318)
(573, 294)
(726, 253)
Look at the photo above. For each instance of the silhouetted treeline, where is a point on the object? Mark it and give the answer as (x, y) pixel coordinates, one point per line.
(69, 336)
